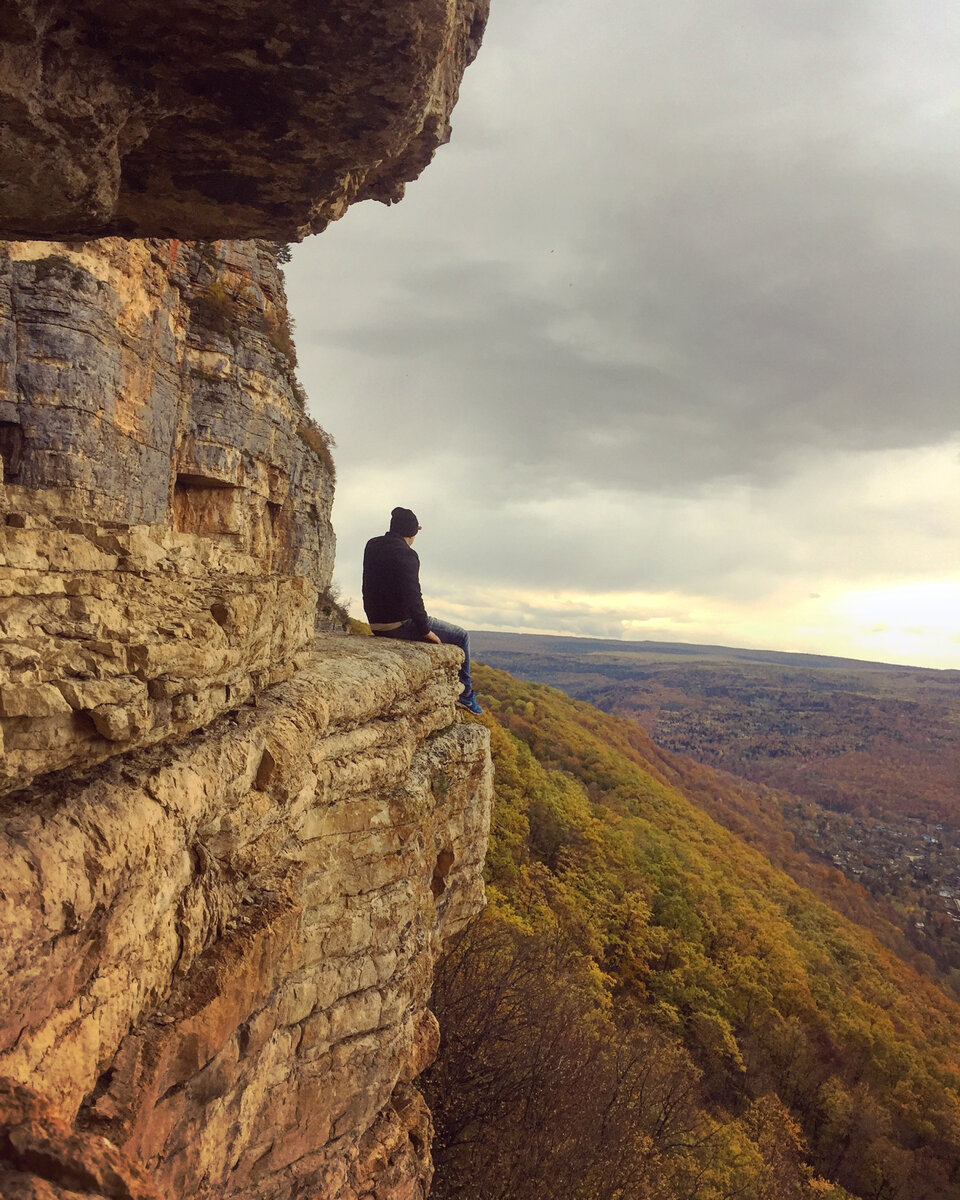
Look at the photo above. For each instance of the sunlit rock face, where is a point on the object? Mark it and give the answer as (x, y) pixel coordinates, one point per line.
(218, 952)
(231, 844)
(44, 1158)
(165, 500)
(231, 847)
(235, 119)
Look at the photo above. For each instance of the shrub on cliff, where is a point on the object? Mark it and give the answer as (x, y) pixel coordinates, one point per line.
(214, 308)
(320, 442)
(278, 331)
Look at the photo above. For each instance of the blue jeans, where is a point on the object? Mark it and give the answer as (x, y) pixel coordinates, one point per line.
(452, 635)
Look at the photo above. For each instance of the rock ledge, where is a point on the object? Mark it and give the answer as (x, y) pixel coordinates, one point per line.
(218, 952)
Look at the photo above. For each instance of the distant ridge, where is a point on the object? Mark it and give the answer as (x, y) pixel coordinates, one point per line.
(482, 640)
(867, 737)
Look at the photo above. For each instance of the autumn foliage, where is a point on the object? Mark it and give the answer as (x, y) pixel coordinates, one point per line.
(650, 1009)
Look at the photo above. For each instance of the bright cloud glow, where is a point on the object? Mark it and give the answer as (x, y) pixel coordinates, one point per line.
(918, 622)
(908, 623)
(795, 567)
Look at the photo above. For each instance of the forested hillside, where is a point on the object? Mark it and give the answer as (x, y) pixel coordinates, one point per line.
(650, 1009)
(841, 765)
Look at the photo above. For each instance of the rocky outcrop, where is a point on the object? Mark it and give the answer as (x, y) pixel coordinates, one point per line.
(231, 844)
(137, 377)
(241, 119)
(165, 498)
(43, 1158)
(218, 952)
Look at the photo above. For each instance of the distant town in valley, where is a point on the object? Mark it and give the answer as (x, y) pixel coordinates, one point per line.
(910, 864)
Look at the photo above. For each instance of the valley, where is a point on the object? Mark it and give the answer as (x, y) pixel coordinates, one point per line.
(736, 1033)
(855, 766)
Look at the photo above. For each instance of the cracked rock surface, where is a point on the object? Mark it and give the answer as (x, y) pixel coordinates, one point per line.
(234, 119)
(42, 1158)
(231, 844)
(164, 498)
(218, 952)
(231, 847)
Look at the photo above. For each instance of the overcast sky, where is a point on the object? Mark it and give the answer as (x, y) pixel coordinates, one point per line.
(666, 342)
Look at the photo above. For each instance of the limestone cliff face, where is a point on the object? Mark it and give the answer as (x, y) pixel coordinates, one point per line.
(218, 952)
(166, 499)
(241, 118)
(232, 846)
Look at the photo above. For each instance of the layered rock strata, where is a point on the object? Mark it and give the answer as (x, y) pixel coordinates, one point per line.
(235, 119)
(218, 952)
(232, 846)
(165, 500)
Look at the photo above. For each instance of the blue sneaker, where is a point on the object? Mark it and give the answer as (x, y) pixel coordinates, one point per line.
(470, 704)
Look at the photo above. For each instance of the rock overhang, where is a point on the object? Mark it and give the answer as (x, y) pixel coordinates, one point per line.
(235, 119)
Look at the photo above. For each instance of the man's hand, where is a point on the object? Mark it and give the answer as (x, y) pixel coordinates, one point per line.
(432, 637)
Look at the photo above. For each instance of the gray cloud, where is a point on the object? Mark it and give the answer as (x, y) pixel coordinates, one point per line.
(672, 251)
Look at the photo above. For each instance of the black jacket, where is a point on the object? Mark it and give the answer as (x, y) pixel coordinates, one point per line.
(391, 583)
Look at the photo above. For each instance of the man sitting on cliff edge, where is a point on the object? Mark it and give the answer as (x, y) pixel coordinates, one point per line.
(393, 602)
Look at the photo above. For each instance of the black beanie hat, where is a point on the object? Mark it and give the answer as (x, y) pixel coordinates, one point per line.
(404, 522)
